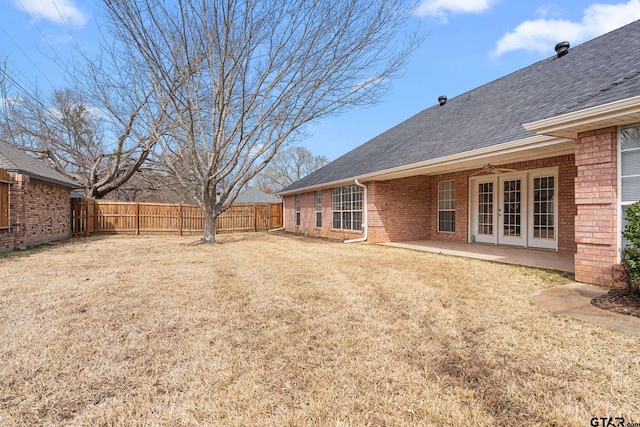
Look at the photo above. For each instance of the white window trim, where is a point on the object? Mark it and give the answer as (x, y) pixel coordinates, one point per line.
(619, 194)
(315, 200)
(544, 243)
(527, 176)
(619, 189)
(360, 230)
(446, 210)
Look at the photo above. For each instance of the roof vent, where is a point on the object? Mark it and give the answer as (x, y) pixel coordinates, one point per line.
(562, 49)
(442, 100)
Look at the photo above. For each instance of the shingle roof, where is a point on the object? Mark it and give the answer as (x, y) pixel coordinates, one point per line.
(599, 71)
(14, 160)
(253, 195)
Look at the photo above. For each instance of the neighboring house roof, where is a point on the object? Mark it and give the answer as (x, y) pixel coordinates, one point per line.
(254, 195)
(14, 160)
(603, 70)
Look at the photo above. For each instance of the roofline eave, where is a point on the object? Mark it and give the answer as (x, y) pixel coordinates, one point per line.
(476, 157)
(44, 179)
(568, 125)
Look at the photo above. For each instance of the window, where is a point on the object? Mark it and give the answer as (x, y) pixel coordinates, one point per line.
(347, 208)
(4, 199)
(297, 209)
(629, 169)
(318, 209)
(447, 206)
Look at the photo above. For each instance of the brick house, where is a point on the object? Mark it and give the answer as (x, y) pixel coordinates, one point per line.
(546, 157)
(35, 201)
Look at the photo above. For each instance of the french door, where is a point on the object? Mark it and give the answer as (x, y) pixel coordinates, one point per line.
(512, 220)
(515, 208)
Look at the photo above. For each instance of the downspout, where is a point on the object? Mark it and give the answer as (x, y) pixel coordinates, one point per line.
(365, 224)
(283, 218)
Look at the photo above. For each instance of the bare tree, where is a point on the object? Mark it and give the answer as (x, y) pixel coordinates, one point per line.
(102, 130)
(150, 184)
(289, 165)
(63, 130)
(256, 72)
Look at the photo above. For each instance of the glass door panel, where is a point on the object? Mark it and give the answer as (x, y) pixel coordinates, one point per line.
(484, 210)
(543, 215)
(511, 216)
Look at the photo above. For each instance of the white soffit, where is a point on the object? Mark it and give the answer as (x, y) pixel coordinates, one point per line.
(540, 148)
(568, 125)
(532, 148)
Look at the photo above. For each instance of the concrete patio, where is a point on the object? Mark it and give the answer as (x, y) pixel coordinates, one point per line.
(538, 258)
(574, 300)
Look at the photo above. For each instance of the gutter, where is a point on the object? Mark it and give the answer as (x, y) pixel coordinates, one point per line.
(283, 218)
(365, 216)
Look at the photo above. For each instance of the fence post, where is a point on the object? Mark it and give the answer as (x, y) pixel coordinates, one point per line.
(255, 218)
(84, 206)
(137, 213)
(180, 218)
(94, 216)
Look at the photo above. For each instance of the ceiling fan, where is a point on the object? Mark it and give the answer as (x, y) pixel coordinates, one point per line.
(489, 168)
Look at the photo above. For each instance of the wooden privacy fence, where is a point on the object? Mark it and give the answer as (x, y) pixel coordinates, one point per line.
(106, 216)
(5, 181)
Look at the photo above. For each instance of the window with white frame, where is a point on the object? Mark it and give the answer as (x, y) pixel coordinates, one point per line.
(297, 209)
(347, 208)
(629, 169)
(447, 206)
(319, 209)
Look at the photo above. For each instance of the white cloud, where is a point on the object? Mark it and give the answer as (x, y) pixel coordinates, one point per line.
(541, 35)
(56, 11)
(441, 9)
(549, 10)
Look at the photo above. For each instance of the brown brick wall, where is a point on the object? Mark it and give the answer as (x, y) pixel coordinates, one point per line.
(566, 205)
(308, 217)
(597, 211)
(462, 207)
(406, 209)
(6, 240)
(39, 213)
(398, 209)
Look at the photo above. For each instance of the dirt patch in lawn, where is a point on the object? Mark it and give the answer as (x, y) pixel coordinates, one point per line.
(267, 330)
(619, 300)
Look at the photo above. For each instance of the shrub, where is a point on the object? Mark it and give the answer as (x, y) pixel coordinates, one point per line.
(631, 254)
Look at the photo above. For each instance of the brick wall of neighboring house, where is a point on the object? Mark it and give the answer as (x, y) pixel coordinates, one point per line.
(597, 211)
(6, 240)
(38, 213)
(406, 208)
(13, 238)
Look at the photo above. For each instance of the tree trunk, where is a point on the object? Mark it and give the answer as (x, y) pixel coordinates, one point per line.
(210, 224)
(211, 213)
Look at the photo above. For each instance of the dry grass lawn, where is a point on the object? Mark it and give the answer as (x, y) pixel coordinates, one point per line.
(274, 330)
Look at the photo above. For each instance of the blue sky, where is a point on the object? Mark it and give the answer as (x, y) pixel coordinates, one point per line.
(466, 43)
